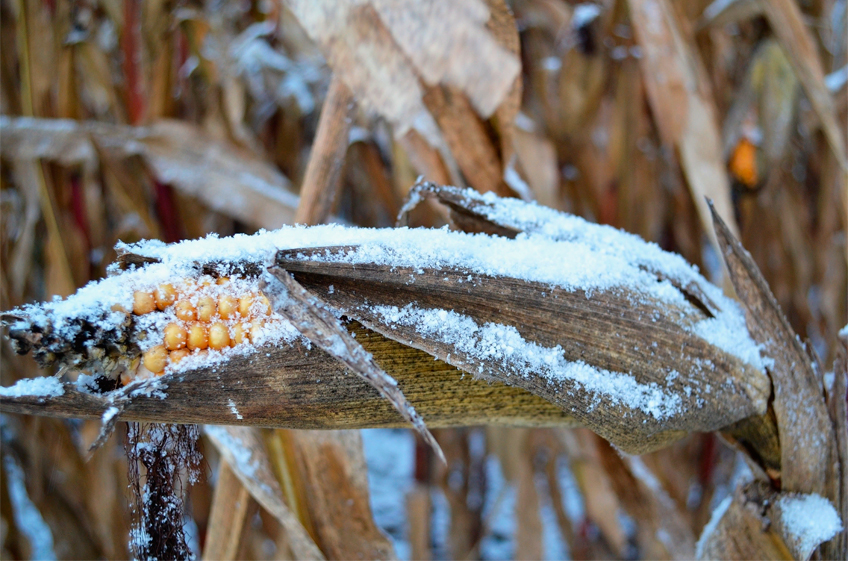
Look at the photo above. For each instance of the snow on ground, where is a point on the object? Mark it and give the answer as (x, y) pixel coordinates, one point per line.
(28, 519)
(390, 456)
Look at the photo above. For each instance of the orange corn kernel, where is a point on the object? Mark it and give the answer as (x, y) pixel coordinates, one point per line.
(240, 334)
(143, 302)
(175, 336)
(178, 355)
(155, 359)
(222, 280)
(244, 305)
(264, 305)
(197, 337)
(185, 310)
(228, 306)
(743, 163)
(165, 296)
(206, 308)
(219, 336)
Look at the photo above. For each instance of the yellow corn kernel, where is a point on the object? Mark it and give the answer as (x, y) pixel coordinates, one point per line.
(206, 308)
(165, 296)
(219, 336)
(143, 302)
(197, 337)
(155, 359)
(178, 355)
(222, 280)
(264, 305)
(185, 310)
(240, 335)
(175, 336)
(244, 304)
(119, 308)
(227, 306)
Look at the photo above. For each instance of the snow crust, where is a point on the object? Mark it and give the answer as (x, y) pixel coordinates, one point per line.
(44, 386)
(809, 520)
(502, 344)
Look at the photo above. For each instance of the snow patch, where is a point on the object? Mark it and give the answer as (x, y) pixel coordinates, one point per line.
(44, 386)
(809, 520)
(494, 343)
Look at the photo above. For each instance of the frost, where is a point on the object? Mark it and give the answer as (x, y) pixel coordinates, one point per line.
(234, 409)
(44, 386)
(500, 344)
(715, 518)
(808, 520)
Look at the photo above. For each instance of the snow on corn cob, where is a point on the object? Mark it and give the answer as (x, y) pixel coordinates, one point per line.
(151, 320)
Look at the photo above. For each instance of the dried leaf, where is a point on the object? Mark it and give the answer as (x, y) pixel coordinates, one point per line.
(393, 57)
(419, 32)
(244, 452)
(226, 521)
(229, 180)
(682, 104)
(738, 530)
(807, 441)
(333, 474)
(786, 20)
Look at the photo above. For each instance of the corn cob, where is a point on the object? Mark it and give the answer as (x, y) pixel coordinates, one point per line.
(153, 328)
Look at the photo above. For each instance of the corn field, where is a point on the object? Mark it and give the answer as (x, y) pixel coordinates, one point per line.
(535, 385)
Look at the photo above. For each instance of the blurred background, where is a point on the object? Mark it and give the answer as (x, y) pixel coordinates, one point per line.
(130, 119)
